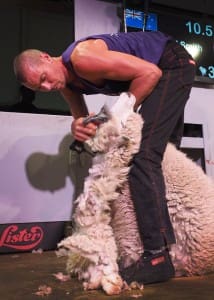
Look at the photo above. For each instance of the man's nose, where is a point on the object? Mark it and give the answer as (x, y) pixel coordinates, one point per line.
(46, 86)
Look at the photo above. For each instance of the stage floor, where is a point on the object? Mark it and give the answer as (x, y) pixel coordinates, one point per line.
(22, 274)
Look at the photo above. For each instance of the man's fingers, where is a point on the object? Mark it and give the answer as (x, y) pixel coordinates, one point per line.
(82, 132)
(81, 137)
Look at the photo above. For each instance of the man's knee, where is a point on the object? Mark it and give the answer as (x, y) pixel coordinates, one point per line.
(152, 157)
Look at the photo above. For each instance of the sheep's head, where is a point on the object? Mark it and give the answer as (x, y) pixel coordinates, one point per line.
(106, 134)
(116, 118)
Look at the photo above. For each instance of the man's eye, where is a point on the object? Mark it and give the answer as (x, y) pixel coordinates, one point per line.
(43, 77)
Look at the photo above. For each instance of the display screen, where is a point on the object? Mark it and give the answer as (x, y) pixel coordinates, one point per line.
(196, 35)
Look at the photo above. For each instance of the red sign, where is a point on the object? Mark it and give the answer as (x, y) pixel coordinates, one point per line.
(157, 260)
(24, 239)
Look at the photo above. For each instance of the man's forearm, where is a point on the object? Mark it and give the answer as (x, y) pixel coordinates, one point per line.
(78, 107)
(76, 103)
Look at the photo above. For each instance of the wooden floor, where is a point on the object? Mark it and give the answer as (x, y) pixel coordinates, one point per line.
(21, 275)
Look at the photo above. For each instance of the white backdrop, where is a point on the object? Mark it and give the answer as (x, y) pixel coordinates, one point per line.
(35, 183)
(200, 110)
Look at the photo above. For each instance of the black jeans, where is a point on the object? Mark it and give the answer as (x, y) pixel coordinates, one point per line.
(162, 112)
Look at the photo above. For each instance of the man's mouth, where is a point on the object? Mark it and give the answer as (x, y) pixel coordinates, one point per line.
(57, 86)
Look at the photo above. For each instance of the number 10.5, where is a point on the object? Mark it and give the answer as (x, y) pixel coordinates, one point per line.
(197, 28)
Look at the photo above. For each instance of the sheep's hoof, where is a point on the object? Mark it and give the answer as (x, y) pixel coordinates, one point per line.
(112, 284)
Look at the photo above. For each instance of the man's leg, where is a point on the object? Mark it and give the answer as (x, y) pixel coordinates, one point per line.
(146, 178)
(161, 112)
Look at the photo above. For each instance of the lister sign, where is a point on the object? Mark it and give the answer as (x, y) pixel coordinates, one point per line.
(23, 237)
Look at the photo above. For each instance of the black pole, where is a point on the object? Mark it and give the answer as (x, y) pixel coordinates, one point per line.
(124, 16)
(146, 13)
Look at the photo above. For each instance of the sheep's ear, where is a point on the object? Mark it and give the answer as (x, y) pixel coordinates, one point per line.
(106, 111)
(123, 141)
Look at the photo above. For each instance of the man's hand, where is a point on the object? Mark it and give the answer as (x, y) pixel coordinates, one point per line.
(82, 132)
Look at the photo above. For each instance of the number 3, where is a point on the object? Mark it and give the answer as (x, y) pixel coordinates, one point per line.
(211, 71)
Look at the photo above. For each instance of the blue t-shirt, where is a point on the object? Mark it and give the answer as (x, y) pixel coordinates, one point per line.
(146, 45)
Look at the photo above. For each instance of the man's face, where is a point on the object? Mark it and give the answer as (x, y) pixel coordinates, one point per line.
(46, 77)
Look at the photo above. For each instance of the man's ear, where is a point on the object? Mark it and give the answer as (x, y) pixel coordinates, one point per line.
(46, 57)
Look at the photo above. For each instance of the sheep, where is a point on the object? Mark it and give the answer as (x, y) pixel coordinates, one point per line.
(106, 230)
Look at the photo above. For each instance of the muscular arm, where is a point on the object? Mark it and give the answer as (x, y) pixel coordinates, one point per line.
(93, 61)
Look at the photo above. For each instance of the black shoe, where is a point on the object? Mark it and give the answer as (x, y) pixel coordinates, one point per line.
(150, 268)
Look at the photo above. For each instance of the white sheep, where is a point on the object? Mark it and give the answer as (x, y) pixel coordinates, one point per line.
(105, 223)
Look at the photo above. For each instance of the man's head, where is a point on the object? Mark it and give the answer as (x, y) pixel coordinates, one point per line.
(39, 71)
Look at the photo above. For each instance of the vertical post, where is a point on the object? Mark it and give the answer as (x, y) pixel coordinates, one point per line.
(146, 12)
(124, 16)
